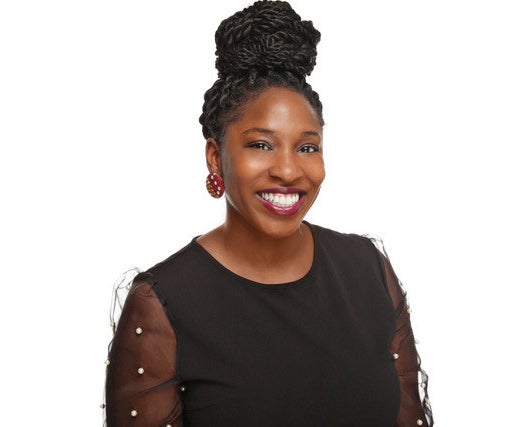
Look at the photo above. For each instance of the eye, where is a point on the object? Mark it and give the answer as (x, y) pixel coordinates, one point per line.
(259, 145)
(309, 148)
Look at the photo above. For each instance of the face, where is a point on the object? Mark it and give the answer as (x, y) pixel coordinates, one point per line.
(271, 163)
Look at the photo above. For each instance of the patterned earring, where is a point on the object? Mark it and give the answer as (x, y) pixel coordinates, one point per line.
(215, 185)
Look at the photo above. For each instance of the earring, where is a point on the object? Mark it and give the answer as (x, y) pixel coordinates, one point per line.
(215, 185)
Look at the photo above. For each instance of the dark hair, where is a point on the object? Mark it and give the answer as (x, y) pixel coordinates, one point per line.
(265, 45)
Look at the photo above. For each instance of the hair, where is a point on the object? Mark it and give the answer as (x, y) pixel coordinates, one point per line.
(264, 45)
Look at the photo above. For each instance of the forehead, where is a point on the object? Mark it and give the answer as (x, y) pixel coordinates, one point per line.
(278, 109)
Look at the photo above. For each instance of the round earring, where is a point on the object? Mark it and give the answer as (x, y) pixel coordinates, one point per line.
(215, 185)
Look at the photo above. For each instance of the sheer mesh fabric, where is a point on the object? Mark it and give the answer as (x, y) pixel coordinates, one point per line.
(142, 388)
(415, 406)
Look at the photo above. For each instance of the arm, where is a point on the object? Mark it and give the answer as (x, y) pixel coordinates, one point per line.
(141, 384)
(406, 358)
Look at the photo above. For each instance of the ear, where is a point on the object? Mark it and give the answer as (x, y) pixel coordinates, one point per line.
(213, 156)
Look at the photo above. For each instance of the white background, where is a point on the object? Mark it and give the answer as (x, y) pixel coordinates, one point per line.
(102, 169)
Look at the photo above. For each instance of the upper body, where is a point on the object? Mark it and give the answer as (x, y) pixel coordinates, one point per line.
(265, 320)
(320, 350)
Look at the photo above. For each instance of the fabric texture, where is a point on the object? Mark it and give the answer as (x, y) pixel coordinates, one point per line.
(198, 345)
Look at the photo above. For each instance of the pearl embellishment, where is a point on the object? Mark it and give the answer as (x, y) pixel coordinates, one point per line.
(139, 330)
(419, 422)
(133, 413)
(140, 371)
(396, 356)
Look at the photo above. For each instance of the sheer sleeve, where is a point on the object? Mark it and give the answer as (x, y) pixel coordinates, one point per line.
(142, 388)
(415, 409)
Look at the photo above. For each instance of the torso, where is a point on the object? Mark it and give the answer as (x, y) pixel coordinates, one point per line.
(313, 351)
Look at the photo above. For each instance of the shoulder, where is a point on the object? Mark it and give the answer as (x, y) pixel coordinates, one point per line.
(349, 250)
(177, 264)
(351, 243)
(356, 255)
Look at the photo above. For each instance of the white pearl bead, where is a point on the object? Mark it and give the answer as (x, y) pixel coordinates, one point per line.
(419, 422)
(182, 388)
(102, 406)
(423, 385)
(140, 371)
(139, 330)
(107, 362)
(133, 413)
(395, 356)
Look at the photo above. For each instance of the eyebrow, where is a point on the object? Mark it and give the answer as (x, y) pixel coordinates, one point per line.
(271, 132)
(310, 133)
(258, 130)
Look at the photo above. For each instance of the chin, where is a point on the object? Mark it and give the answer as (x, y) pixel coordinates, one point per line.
(280, 228)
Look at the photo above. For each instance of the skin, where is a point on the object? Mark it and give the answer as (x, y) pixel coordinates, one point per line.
(275, 143)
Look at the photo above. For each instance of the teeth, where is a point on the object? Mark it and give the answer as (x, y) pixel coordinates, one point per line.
(281, 200)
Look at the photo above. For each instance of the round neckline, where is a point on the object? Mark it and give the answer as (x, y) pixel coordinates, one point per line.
(254, 283)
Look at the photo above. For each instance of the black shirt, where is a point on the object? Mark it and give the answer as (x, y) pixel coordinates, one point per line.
(310, 352)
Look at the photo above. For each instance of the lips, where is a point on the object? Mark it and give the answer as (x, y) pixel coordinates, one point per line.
(282, 201)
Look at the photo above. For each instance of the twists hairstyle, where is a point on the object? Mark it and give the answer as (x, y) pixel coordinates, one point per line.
(265, 45)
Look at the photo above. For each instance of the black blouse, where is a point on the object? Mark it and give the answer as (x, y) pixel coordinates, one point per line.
(198, 345)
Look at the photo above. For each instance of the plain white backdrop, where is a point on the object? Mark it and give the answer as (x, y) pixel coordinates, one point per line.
(102, 169)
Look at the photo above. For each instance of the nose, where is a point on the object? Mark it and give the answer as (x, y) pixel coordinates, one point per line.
(286, 166)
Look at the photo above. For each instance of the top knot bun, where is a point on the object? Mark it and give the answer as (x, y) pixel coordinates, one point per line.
(269, 35)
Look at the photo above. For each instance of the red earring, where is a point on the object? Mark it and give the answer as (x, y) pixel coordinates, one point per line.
(215, 185)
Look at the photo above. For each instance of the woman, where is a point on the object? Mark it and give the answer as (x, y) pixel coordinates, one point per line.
(266, 320)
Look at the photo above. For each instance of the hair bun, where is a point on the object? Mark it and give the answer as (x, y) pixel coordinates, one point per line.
(269, 35)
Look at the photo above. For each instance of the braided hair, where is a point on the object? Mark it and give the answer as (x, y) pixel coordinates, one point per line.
(264, 45)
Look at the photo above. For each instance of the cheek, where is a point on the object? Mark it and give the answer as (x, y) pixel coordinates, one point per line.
(244, 169)
(317, 172)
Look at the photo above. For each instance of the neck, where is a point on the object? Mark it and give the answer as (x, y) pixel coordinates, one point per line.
(268, 253)
(264, 249)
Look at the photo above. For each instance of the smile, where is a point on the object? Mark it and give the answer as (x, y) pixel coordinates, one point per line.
(281, 200)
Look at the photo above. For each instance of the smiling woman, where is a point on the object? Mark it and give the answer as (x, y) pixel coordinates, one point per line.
(266, 320)
(272, 167)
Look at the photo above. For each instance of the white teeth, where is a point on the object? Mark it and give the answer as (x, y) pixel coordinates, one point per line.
(281, 200)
